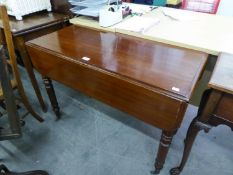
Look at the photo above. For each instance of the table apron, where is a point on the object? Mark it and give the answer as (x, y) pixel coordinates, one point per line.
(134, 98)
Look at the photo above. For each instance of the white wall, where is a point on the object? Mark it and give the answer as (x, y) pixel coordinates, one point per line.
(225, 8)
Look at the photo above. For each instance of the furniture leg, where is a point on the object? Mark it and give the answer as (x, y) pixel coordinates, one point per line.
(208, 103)
(27, 104)
(14, 130)
(28, 66)
(193, 130)
(11, 52)
(165, 141)
(52, 96)
(2, 104)
(5, 170)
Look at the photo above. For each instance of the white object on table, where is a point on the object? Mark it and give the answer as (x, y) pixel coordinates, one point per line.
(139, 24)
(110, 15)
(19, 8)
(207, 33)
(87, 11)
(108, 18)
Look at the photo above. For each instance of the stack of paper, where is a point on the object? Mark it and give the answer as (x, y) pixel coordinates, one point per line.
(136, 8)
(87, 11)
(87, 3)
(137, 24)
(88, 7)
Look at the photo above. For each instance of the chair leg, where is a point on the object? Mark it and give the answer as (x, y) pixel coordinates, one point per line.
(23, 95)
(6, 171)
(12, 56)
(28, 66)
(29, 107)
(2, 104)
(193, 130)
(52, 96)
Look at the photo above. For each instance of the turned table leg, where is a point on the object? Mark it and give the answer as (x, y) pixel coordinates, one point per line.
(165, 141)
(52, 96)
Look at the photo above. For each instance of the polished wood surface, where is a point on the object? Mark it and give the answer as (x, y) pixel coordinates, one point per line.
(222, 78)
(150, 81)
(225, 109)
(133, 66)
(126, 57)
(178, 27)
(35, 21)
(215, 108)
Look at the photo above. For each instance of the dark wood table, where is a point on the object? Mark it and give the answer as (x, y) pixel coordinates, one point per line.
(215, 108)
(32, 26)
(151, 81)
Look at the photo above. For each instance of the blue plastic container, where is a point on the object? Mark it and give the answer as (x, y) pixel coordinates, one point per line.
(159, 2)
(148, 2)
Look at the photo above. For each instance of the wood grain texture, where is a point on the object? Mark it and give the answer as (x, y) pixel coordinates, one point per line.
(222, 77)
(132, 75)
(224, 109)
(153, 64)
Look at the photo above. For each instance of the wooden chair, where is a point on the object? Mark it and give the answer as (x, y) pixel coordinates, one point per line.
(12, 131)
(16, 81)
(13, 85)
(6, 93)
(205, 6)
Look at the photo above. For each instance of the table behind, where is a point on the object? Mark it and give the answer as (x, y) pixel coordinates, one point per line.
(34, 22)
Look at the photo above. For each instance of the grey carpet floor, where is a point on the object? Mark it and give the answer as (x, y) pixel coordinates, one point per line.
(93, 138)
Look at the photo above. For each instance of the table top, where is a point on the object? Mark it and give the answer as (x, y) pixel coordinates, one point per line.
(222, 77)
(208, 33)
(171, 70)
(34, 22)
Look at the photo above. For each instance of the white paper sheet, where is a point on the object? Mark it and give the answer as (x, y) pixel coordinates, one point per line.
(138, 24)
